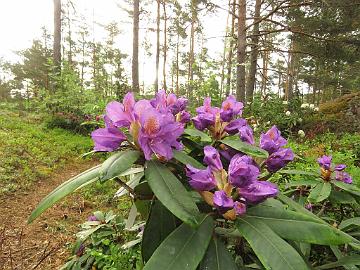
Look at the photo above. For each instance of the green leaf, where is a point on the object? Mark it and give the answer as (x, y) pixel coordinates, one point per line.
(133, 182)
(338, 254)
(172, 194)
(197, 133)
(160, 224)
(342, 197)
(273, 252)
(298, 227)
(353, 259)
(351, 222)
(246, 148)
(217, 257)
(348, 187)
(320, 192)
(183, 249)
(299, 172)
(303, 182)
(186, 159)
(65, 189)
(117, 164)
(299, 208)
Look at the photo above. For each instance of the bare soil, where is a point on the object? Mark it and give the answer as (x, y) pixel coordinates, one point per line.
(44, 244)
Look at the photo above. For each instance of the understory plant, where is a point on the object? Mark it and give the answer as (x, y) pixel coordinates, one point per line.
(202, 186)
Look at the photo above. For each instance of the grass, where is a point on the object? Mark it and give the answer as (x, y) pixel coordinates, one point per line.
(30, 152)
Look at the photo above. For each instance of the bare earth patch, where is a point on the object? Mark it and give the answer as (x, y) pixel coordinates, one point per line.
(44, 244)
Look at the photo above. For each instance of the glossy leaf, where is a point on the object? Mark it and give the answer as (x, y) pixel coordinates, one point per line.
(299, 227)
(117, 164)
(185, 159)
(217, 257)
(172, 194)
(160, 224)
(320, 192)
(197, 133)
(246, 148)
(272, 251)
(65, 189)
(353, 259)
(348, 223)
(183, 249)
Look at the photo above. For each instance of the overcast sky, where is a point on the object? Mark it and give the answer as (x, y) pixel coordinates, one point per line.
(21, 22)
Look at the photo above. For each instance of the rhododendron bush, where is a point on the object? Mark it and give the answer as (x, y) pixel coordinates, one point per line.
(203, 182)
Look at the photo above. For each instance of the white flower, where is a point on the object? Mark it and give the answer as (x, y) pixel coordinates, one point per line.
(316, 109)
(287, 113)
(305, 105)
(285, 102)
(301, 133)
(311, 106)
(268, 122)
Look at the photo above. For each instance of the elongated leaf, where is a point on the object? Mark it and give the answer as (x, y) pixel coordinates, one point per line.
(342, 197)
(299, 208)
(246, 148)
(351, 222)
(273, 252)
(353, 259)
(183, 249)
(305, 182)
(339, 255)
(65, 189)
(117, 164)
(172, 194)
(160, 224)
(348, 187)
(217, 257)
(133, 182)
(197, 133)
(299, 172)
(186, 159)
(320, 192)
(299, 227)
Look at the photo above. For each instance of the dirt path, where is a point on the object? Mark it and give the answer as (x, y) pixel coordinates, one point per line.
(44, 243)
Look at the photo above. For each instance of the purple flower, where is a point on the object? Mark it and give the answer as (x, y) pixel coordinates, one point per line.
(325, 162)
(271, 141)
(228, 153)
(170, 102)
(212, 158)
(279, 159)
(200, 180)
(158, 134)
(206, 115)
(222, 201)
(308, 206)
(184, 117)
(242, 171)
(107, 139)
(258, 191)
(240, 208)
(230, 108)
(121, 115)
(92, 218)
(234, 126)
(340, 167)
(246, 134)
(343, 177)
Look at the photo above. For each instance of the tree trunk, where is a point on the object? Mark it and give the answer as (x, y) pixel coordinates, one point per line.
(156, 84)
(164, 46)
(177, 64)
(254, 53)
(292, 66)
(223, 61)
(241, 51)
(191, 50)
(57, 35)
(135, 58)
(231, 45)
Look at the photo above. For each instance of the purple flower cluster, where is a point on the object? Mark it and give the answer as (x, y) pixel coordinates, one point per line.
(153, 125)
(272, 142)
(230, 192)
(219, 121)
(325, 163)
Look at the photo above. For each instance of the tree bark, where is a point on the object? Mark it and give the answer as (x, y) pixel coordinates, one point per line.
(156, 84)
(135, 58)
(250, 87)
(164, 46)
(191, 50)
(57, 35)
(223, 61)
(177, 64)
(241, 51)
(231, 45)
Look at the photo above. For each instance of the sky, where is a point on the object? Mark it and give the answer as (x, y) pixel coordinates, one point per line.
(21, 22)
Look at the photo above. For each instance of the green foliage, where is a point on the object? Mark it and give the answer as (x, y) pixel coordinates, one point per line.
(31, 152)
